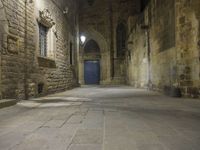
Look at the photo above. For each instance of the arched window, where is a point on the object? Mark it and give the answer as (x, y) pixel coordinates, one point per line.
(121, 40)
(91, 47)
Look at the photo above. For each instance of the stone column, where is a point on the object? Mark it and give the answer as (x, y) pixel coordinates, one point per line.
(81, 66)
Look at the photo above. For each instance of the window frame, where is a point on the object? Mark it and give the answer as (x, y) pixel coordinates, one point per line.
(43, 39)
(46, 20)
(51, 41)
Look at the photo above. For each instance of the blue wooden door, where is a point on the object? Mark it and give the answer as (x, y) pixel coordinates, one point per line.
(92, 72)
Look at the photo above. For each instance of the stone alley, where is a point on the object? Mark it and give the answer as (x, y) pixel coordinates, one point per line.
(101, 118)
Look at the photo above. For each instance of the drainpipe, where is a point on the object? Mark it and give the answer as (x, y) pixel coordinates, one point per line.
(1, 49)
(0, 66)
(149, 58)
(25, 52)
(111, 39)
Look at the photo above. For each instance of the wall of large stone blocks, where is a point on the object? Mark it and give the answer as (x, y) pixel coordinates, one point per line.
(173, 28)
(188, 48)
(14, 54)
(63, 76)
(137, 59)
(22, 70)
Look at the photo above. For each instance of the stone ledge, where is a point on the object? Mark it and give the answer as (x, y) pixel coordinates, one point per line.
(46, 62)
(7, 103)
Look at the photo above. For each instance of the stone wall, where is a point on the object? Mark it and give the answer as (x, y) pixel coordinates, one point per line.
(173, 30)
(137, 54)
(188, 37)
(22, 70)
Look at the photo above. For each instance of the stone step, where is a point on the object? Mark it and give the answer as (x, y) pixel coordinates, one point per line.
(7, 102)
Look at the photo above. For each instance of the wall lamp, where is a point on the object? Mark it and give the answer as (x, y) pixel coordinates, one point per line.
(83, 39)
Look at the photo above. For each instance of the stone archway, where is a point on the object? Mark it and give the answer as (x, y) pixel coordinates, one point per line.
(3, 38)
(91, 47)
(104, 54)
(92, 60)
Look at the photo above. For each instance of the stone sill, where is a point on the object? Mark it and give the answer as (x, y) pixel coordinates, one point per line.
(46, 62)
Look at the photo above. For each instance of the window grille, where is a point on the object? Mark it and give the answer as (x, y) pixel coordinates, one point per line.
(43, 40)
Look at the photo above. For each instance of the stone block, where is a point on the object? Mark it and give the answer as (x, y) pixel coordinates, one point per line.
(88, 136)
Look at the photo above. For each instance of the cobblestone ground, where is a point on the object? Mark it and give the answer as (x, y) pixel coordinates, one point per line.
(102, 118)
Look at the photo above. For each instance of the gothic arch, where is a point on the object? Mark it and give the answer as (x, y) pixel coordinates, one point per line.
(92, 47)
(92, 34)
(103, 56)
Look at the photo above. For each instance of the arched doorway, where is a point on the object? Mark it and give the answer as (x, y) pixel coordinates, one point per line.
(92, 62)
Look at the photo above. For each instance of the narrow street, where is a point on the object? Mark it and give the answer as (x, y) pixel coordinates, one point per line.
(102, 118)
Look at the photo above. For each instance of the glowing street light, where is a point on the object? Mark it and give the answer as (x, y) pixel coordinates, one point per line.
(83, 39)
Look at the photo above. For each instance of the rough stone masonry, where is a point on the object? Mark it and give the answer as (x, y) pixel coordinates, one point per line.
(23, 70)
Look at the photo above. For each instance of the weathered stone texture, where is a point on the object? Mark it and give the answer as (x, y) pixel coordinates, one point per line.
(162, 20)
(62, 77)
(174, 46)
(20, 69)
(137, 55)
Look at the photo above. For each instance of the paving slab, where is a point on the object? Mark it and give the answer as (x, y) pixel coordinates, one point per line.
(85, 147)
(88, 136)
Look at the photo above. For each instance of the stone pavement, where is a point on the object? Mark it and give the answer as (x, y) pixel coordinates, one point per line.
(102, 118)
